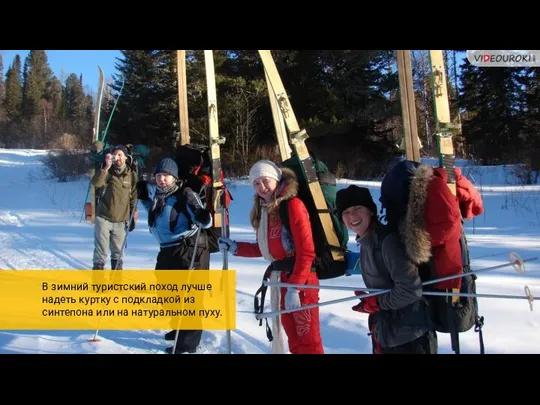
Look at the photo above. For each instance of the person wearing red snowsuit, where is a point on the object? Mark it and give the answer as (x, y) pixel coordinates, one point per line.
(274, 243)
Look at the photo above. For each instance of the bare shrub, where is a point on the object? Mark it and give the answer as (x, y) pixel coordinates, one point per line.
(65, 164)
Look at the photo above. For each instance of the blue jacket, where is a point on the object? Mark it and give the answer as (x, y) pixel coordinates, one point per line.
(186, 226)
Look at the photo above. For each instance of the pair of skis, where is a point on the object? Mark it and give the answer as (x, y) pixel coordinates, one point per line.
(219, 194)
(284, 120)
(444, 127)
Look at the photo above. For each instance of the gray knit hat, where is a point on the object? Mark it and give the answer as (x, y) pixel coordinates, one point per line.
(168, 166)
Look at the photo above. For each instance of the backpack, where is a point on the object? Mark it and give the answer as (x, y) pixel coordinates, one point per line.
(451, 315)
(325, 265)
(195, 168)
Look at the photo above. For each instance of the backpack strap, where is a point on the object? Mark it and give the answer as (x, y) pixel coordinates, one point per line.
(479, 320)
(284, 215)
(259, 306)
(380, 234)
(288, 263)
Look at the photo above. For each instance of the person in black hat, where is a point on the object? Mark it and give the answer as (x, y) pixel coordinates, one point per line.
(116, 184)
(175, 214)
(398, 320)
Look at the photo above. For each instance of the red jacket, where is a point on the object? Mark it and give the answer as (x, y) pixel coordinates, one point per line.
(281, 245)
(443, 213)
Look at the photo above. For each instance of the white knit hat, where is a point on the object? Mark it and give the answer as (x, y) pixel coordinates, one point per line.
(264, 168)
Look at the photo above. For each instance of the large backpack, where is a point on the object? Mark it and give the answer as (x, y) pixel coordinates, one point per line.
(448, 314)
(325, 265)
(195, 168)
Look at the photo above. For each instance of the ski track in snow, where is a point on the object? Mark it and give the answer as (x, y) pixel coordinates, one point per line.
(38, 254)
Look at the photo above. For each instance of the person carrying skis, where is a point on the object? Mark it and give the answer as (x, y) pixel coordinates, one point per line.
(272, 186)
(175, 214)
(117, 182)
(399, 320)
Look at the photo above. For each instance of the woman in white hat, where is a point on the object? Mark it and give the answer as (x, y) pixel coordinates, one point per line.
(291, 253)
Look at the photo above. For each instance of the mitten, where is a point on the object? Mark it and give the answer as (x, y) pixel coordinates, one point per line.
(202, 217)
(368, 305)
(142, 190)
(292, 299)
(227, 245)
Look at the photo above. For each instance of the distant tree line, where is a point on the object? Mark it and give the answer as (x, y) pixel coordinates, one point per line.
(347, 100)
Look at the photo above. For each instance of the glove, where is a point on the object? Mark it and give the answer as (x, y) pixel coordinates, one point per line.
(134, 220)
(292, 298)
(227, 245)
(368, 305)
(142, 190)
(202, 217)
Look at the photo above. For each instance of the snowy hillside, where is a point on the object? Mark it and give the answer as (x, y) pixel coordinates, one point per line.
(40, 228)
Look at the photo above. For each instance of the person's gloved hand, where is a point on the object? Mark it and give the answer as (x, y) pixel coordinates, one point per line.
(134, 219)
(292, 299)
(368, 305)
(142, 190)
(227, 245)
(202, 217)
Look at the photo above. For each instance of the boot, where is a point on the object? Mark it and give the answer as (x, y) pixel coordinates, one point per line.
(170, 335)
(114, 262)
(117, 275)
(97, 276)
(179, 350)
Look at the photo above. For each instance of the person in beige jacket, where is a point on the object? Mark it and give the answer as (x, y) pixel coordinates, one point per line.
(118, 200)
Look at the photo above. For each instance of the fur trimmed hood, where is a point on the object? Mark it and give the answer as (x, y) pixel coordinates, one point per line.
(287, 189)
(412, 228)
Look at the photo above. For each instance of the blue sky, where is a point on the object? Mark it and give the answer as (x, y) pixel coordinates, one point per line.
(78, 62)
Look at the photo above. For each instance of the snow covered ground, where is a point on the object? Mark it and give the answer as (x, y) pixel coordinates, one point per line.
(40, 228)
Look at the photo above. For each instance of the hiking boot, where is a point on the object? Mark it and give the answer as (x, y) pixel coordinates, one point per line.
(179, 350)
(170, 335)
(98, 277)
(115, 263)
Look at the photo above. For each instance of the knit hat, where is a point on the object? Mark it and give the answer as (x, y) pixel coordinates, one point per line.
(264, 168)
(168, 166)
(120, 147)
(354, 195)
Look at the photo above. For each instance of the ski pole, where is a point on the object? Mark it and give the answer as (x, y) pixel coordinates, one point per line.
(528, 296)
(372, 294)
(225, 266)
(519, 262)
(191, 266)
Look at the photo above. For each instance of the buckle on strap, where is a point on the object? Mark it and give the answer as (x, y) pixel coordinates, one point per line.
(259, 306)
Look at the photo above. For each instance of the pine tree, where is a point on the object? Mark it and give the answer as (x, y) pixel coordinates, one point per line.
(13, 95)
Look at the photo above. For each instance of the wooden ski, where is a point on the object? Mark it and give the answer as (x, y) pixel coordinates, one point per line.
(408, 106)
(215, 139)
(297, 140)
(444, 128)
(218, 188)
(182, 97)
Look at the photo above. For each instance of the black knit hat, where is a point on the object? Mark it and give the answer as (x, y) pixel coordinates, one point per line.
(122, 148)
(168, 166)
(354, 195)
